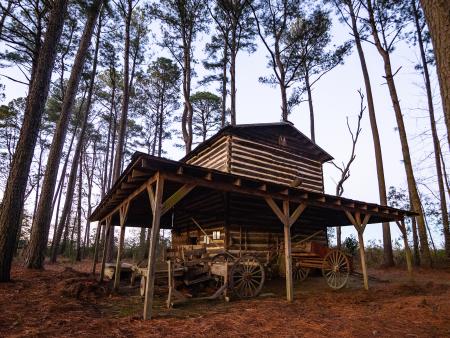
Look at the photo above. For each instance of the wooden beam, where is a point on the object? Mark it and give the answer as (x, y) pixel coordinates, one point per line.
(360, 227)
(119, 258)
(296, 214)
(123, 217)
(105, 247)
(401, 225)
(177, 196)
(275, 209)
(96, 245)
(132, 195)
(137, 173)
(151, 197)
(288, 253)
(151, 269)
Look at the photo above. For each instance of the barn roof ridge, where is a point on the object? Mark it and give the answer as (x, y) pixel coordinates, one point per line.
(228, 130)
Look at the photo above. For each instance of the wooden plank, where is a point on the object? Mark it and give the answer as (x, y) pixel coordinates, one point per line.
(119, 258)
(150, 281)
(360, 227)
(296, 214)
(151, 197)
(275, 209)
(401, 225)
(105, 247)
(177, 196)
(287, 254)
(96, 245)
(132, 196)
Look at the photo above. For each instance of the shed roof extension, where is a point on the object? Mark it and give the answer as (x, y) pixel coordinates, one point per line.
(328, 210)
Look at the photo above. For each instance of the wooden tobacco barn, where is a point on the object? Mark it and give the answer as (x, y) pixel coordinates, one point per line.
(248, 199)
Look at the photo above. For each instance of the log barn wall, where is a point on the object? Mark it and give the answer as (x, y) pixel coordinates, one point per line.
(216, 156)
(278, 154)
(274, 164)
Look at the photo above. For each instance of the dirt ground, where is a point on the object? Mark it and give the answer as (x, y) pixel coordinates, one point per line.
(64, 301)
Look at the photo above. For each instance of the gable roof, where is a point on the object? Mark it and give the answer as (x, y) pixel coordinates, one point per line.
(268, 133)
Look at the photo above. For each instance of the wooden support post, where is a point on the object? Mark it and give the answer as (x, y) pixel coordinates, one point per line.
(287, 253)
(288, 220)
(123, 213)
(362, 255)
(170, 283)
(149, 287)
(401, 225)
(96, 245)
(105, 247)
(360, 226)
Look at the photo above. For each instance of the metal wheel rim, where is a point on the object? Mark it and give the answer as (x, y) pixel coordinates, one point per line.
(336, 269)
(300, 273)
(247, 277)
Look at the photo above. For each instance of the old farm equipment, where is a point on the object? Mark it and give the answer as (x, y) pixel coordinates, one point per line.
(191, 265)
(336, 265)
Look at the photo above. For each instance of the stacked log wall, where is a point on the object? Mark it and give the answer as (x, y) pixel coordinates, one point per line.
(274, 164)
(215, 156)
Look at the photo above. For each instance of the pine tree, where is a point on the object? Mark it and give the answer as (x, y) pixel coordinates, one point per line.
(182, 21)
(13, 198)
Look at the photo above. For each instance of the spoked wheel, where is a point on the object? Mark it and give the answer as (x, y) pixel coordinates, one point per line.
(336, 269)
(247, 277)
(300, 273)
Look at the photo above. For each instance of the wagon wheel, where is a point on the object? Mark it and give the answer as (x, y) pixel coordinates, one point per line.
(247, 277)
(142, 286)
(336, 269)
(300, 273)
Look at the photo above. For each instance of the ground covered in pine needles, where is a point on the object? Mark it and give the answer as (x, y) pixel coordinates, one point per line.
(65, 301)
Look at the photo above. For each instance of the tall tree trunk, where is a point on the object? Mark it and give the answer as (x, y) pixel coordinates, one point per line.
(13, 198)
(437, 14)
(80, 197)
(126, 96)
(186, 118)
(142, 245)
(90, 182)
(77, 154)
(415, 241)
(41, 225)
(436, 144)
(59, 189)
(388, 257)
(311, 107)
(223, 118)
(412, 187)
(105, 168)
(233, 53)
(38, 179)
